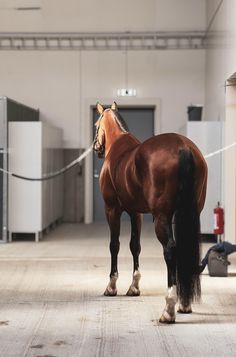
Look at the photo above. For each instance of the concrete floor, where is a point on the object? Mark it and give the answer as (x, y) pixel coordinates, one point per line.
(51, 302)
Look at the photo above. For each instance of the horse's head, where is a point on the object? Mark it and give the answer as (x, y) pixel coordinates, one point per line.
(100, 137)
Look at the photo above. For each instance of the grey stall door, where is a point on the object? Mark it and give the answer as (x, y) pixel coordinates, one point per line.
(141, 123)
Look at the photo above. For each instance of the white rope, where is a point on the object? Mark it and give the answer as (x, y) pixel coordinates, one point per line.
(52, 174)
(82, 156)
(6, 172)
(220, 150)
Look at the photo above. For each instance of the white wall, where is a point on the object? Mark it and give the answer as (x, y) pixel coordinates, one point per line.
(220, 57)
(221, 101)
(103, 15)
(60, 82)
(45, 80)
(164, 75)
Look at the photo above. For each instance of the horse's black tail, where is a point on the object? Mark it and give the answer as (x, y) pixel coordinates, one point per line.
(187, 232)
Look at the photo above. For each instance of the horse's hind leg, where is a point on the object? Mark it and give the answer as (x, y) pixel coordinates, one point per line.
(113, 218)
(135, 247)
(164, 234)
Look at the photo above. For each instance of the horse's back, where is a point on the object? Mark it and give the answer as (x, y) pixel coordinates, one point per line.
(163, 150)
(169, 144)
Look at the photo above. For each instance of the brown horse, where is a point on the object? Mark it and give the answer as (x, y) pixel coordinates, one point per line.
(166, 176)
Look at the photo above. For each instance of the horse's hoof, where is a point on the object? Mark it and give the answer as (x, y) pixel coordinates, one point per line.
(201, 268)
(184, 309)
(166, 319)
(110, 292)
(133, 291)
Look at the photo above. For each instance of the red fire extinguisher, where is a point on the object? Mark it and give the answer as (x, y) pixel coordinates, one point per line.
(218, 220)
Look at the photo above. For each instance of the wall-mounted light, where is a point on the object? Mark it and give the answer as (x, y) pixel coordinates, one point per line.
(126, 92)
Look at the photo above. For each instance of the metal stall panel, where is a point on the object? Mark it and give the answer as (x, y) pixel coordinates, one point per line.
(10, 110)
(20, 112)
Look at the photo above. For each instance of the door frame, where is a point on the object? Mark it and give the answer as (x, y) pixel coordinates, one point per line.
(229, 161)
(124, 102)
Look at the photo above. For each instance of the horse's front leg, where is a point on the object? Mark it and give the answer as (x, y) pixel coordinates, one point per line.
(135, 247)
(113, 218)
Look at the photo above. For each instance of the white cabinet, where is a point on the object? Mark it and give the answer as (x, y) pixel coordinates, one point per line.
(207, 135)
(35, 148)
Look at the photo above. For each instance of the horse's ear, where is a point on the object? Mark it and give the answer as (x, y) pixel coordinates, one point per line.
(100, 108)
(114, 106)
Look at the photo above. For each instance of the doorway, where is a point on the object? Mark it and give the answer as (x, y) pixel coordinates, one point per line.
(140, 121)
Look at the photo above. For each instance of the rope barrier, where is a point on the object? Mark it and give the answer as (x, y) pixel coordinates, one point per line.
(81, 157)
(219, 151)
(52, 174)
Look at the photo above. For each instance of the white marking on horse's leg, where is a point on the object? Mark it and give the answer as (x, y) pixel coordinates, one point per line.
(111, 289)
(168, 315)
(134, 287)
(185, 309)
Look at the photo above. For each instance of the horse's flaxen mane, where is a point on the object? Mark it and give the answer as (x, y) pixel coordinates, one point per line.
(121, 122)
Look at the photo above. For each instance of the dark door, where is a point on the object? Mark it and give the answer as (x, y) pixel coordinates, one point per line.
(141, 123)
